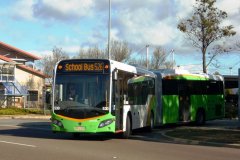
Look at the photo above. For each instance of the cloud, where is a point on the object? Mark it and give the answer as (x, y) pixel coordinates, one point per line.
(22, 9)
(232, 7)
(137, 22)
(40, 53)
(151, 24)
(62, 10)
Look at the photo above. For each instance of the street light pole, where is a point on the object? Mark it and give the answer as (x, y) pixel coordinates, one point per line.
(147, 46)
(109, 29)
(173, 58)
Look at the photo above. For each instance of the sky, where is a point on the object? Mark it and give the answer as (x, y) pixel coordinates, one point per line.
(37, 26)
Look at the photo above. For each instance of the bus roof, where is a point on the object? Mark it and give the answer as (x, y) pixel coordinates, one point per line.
(139, 79)
(183, 74)
(129, 68)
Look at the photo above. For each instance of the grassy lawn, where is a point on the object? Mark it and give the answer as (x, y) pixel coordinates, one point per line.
(19, 111)
(207, 135)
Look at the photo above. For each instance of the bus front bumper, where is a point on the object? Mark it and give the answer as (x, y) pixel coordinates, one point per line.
(100, 124)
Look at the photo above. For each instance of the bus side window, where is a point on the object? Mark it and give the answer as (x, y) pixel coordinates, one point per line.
(151, 87)
(144, 92)
(131, 94)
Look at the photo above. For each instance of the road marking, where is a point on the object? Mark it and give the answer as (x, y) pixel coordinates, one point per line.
(20, 144)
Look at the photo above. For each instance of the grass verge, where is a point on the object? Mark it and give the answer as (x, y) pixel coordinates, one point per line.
(19, 111)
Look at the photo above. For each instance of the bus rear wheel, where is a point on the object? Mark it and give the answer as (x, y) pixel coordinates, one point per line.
(128, 131)
(200, 117)
(151, 125)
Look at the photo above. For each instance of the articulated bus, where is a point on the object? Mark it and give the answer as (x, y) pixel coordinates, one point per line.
(97, 95)
(90, 96)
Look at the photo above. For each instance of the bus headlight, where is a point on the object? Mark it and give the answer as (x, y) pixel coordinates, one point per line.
(57, 122)
(105, 123)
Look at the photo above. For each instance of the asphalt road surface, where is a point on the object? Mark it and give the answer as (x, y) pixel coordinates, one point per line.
(33, 140)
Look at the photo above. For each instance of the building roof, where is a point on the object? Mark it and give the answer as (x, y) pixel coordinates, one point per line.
(19, 51)
(24, 67)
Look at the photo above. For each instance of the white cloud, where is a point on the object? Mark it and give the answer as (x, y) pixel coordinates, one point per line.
(69, 49)
(137, 22)
(183, 7)
(192, 68)
(72, 49)
(141, 26)
(62, 10)
(40, 53)
(232, 7)
(22, 9)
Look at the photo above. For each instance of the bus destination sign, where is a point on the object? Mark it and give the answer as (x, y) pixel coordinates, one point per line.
(83, 67)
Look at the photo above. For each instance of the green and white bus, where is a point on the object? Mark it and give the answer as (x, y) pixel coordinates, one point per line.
(176, 96)
(98, 95)
(90, 96)
(185, 97)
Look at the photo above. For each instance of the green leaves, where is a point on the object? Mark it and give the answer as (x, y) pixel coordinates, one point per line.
(182, 27)
(204, 26)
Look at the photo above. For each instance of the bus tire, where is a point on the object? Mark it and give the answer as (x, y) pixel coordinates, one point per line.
(128, 131)
(200, 117)
(151, 125)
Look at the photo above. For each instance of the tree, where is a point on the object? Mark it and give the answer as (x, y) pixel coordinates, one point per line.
(158, 58)
(49, 61)
(120, 51)
(92, 52)
(203, 28)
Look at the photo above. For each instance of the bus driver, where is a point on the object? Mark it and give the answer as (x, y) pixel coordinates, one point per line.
(72, 94)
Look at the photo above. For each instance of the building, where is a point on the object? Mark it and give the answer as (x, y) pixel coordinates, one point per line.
(21, 85)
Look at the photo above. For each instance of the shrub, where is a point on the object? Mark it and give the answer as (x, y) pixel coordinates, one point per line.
(19, 111)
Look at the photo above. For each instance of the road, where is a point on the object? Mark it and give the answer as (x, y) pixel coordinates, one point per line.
(33, 140)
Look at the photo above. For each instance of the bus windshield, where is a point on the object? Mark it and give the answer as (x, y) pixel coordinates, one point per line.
(81, 96)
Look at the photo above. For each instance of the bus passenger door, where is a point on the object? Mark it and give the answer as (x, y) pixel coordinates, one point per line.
(184, 103)
(117, 100)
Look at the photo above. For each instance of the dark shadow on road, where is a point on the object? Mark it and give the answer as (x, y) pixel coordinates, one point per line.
(42, 130)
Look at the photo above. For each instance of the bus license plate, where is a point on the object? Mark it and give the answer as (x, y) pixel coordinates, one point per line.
(79, 128)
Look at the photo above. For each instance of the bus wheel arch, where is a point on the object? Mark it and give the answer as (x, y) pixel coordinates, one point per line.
(128, 131)
(200, 116)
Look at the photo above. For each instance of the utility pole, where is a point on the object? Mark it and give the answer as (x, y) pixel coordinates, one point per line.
(147, 47)
(109, 29)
